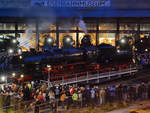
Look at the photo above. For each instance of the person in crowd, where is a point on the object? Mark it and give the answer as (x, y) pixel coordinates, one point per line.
(75, 98)
(62, 99)
(93, 96)
(112, 94)
(80, 98)
(102, 95)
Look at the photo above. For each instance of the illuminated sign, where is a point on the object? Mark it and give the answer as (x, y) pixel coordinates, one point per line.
(71, 3)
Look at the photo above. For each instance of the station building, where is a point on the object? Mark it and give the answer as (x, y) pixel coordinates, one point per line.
(106, 21)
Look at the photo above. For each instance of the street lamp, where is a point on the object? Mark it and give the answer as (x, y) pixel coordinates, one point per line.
(49, 69)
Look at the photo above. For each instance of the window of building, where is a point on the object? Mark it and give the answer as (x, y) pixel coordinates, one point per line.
(93, 37)
(87, 26)
(46, 26)
(107, 26)
(145, 27)
(108, 38)
(7, 26)
(27, 27)
(22, 26)
(67, 27)
(128, 26)
(61, 36)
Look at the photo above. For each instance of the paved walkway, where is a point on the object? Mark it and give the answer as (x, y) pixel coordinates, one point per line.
(124, 110)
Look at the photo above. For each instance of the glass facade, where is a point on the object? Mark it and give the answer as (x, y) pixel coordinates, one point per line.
(100, 31)
(145, 27)
(129, 26)
(7, 26)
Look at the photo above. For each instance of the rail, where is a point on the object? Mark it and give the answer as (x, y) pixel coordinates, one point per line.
(88, 77)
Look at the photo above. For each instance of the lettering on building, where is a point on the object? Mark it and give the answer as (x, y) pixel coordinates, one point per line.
(71, 3)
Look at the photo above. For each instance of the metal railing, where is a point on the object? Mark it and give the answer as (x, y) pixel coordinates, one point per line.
(86, 77)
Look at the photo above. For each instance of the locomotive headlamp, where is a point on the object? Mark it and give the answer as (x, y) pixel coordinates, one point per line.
(123, 41)
(49, 40)
(14, 41)
(19, 51)
(10, 51)
(68, 39)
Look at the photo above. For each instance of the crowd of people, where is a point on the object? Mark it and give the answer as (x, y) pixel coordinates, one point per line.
(70, 96)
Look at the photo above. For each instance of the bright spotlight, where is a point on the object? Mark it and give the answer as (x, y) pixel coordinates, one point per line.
(141, 41)
(3, 78)
(13, 74)
(10, 51)
(146, 50)
(21, 75)
(123, 41)
(14, 41)
(135, 49)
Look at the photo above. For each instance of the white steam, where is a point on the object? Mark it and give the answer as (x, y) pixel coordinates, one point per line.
(27, 40)
(82, 25)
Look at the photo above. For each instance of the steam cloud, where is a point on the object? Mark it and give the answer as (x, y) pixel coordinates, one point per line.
(26, 40)
(82, 25)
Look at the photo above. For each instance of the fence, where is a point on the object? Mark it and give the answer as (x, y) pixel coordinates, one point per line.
(29, 107)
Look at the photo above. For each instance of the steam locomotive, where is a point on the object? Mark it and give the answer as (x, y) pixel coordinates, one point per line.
(67, 62)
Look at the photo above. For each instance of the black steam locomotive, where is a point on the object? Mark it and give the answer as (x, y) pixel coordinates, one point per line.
(69, 60)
